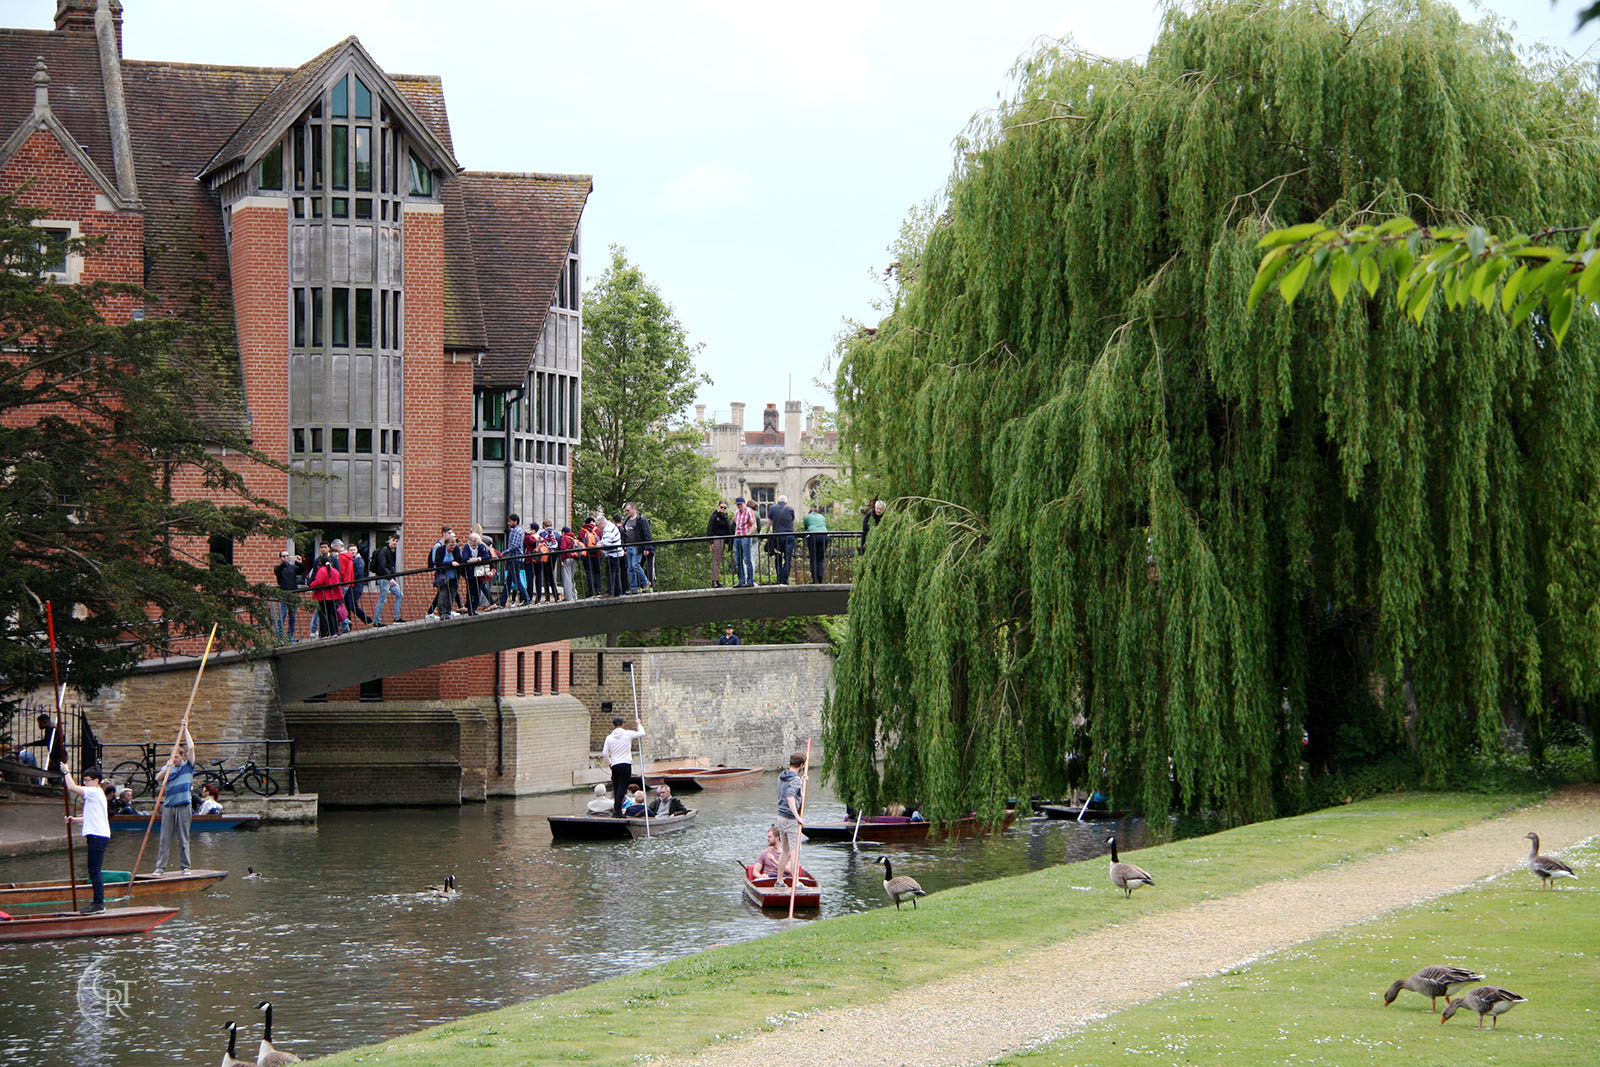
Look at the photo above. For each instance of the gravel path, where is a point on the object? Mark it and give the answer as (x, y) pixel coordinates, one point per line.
(978, 1015)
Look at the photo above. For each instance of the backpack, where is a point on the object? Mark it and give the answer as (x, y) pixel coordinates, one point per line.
(359, 564)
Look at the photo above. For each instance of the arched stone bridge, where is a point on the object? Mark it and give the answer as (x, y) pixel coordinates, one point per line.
(312, 667)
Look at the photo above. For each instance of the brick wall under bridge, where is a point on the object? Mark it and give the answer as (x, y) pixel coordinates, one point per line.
(747, 705)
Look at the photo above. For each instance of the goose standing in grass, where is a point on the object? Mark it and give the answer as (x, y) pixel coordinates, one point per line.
(1126, 876)
(1546, 867)
(1434, 982)
(229, 1058)
(267, 1055)
(448, 889)
(1487, 1000)
(901, 888)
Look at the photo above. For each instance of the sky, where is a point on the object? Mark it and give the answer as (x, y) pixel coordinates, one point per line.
(755, 160)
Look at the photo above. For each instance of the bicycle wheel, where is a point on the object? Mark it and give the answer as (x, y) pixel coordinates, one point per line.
(133, 774)
(260, 783)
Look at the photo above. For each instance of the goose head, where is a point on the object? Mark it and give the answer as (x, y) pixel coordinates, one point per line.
(888, 868)
(1450, 1009)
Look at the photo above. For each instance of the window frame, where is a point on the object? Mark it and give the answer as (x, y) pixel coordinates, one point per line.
(72, 262)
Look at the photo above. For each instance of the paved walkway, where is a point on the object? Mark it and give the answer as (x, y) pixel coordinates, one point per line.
(1005, 1007)
(31, 824)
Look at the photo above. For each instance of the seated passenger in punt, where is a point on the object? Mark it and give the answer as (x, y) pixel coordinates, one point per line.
(211, 800)
(666, 804)
(770, 862)
(599, 804)
(633, 807)
(123, 804)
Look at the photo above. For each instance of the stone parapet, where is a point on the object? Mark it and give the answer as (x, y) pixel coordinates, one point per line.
(542, 740)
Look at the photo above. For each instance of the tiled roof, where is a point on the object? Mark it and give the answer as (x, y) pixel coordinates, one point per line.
(77, 94)
(177, 114)
(273, 109)
(463, 301)
(425, 94)
(521, 226)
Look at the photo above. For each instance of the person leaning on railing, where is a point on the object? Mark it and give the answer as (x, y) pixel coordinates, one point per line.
(816, 534)
(385, 565)
(720, 528)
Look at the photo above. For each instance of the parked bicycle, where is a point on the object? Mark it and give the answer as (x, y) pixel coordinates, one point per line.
(137, 775)
(255, 779)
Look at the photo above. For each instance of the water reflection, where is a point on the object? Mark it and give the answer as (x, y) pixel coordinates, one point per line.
(342, 936)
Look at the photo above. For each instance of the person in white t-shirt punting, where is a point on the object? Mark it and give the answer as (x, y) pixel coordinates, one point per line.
(618, 752)
(96, 829)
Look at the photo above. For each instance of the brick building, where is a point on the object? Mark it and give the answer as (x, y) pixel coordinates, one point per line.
(407, 330)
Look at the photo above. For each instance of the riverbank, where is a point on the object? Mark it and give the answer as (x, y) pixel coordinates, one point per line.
(984, 970)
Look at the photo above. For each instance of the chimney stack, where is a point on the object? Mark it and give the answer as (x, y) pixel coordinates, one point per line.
(791, 423)
(736, 414)
(699, 413)
(769, 419)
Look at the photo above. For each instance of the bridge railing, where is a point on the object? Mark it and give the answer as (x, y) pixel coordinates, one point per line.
(671, 565)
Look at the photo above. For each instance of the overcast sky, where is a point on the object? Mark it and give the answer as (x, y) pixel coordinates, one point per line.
(756, 160)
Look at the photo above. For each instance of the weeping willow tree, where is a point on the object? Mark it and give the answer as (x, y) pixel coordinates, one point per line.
(1149, 539)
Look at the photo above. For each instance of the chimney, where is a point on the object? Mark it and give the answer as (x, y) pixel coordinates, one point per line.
(699, 413)
(814, 420)
(736, 415)
(75, 16)
(791, 423)
(769, 419)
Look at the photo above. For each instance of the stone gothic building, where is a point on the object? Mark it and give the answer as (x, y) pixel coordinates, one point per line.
(763, 465)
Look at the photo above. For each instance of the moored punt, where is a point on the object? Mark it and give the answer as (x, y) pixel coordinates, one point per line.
(1067, 811)
(611, 828)
(894, 828)
(761, 891)
(71, 924)
(198, 824)
(695, 779)
(118, 885)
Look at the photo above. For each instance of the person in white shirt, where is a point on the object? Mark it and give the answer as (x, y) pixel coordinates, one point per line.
(611, 548)
(618, 753)
(601, 803)
(96, 829)
(212, 804)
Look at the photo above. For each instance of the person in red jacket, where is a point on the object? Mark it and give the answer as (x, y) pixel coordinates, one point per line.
(325, 591)
(568, 563)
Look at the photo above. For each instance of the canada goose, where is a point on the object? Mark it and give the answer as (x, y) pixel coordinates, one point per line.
(266, 1055)
(1546, 867)
(447, 890)
(1126, 876)
(228, 1058)
(900, 888)
(1434, 982)
(1485, 1000)
(252, 875)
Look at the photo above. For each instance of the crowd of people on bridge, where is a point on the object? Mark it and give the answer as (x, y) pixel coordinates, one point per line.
(609, 556)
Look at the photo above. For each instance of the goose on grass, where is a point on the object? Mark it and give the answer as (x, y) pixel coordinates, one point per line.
(1547, 868)
(901, 888)
(1434, 982)
(1126, 876)
(1487, 1000)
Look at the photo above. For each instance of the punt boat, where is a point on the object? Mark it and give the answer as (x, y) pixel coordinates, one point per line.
(198, 824)
(896, 828)
(52, 925)
(120, 885)
(695, 779)
(762, 892)
(611, 828)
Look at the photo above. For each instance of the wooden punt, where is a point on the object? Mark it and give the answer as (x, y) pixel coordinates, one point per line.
(1068, 811)
(761, 892)
(120, 885)
(611, 828)
(71, 924)
(696, 779)
(896, 828)
(198, 824)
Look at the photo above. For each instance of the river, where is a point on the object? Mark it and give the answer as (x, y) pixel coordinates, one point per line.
(339, 935)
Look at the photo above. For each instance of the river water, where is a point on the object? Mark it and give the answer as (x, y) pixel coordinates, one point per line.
(339, 935)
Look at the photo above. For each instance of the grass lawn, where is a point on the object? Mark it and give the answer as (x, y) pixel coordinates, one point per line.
(1322, 1003)
(696, 1001)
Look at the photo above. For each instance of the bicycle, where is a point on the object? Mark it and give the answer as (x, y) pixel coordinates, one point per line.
(137, 775)
(258, 781)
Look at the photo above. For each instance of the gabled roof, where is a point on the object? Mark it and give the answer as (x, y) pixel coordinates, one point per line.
(297, 91)
(77, 91)
(463, 300)
(521, 226)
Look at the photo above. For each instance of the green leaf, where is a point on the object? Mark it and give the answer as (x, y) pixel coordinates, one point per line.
(1560, 315)
(1420, 298)
(1295, 280)
(1477, 241)
(1273, 262)
(1525, 307)
(1508, 294)
(1279, 238)
(1340, 275)
(1370, 276)
(1589, 280)
(1397, 225)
